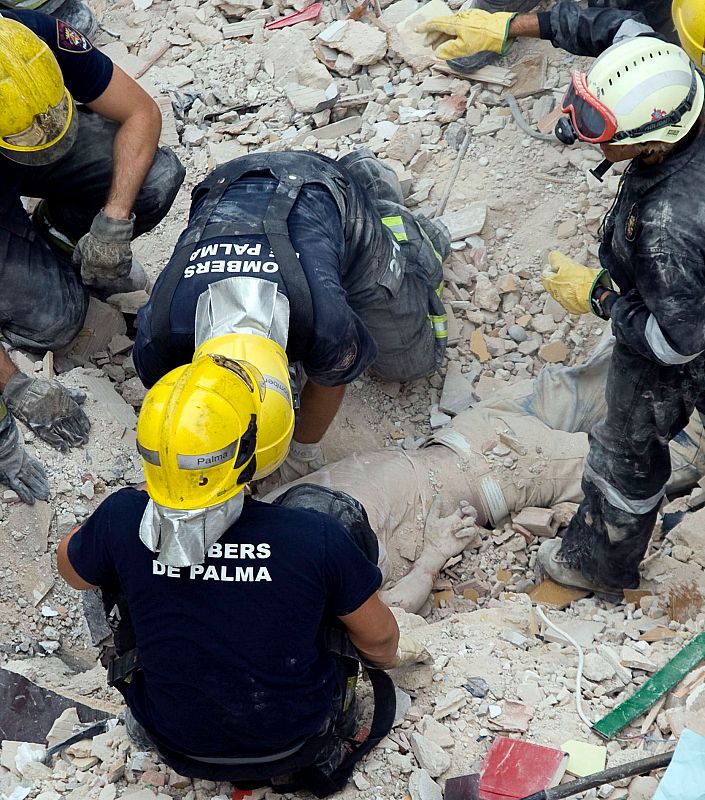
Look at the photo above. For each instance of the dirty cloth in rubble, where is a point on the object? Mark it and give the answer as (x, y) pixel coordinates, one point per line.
(28, 711)
(231, 653)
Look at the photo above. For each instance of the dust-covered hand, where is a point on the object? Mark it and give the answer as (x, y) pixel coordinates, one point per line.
(571, 284)
(51, 410)
(104, 253)
(409, 652)
(18, 470)
(301, 460)
(443, 528)
(469, 32)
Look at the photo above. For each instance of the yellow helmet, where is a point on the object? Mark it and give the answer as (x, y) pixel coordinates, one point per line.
(689, 19)
(37, 120)
(197, 432)
(276, 422)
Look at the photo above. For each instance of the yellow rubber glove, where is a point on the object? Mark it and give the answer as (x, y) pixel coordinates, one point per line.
(471, 32)
(571, 284)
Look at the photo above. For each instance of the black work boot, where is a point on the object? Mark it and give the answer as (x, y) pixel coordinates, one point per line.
(479, 60)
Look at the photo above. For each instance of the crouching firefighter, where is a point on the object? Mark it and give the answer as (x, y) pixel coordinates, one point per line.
(358, 275)
(238, 627)
(80, 134)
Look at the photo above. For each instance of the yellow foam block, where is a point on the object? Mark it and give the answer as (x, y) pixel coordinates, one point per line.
(584, 758)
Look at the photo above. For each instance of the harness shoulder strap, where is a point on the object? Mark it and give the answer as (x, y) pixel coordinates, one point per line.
(276, 229)
(321, 784)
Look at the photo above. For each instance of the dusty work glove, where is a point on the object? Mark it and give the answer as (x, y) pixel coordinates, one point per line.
(51, 410)
(301, 459)
(571, 284)
(409, 652)
(18, 470)
(471, 32)
(104, 253)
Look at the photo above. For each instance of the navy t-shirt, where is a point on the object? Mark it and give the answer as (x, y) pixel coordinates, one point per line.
(231, 653)
(342, 348)
(87, 72)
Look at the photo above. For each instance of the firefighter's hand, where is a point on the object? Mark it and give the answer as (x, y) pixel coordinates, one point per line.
(51, 410)
(301, 460)
(571, 284)
(469, 32)
(104, 253)
(18, 469)
(409, 652)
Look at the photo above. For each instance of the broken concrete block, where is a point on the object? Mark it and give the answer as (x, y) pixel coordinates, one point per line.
(632, 659)
(451, 108)
(478, 346)
(539, 521)
(514, 717)
(454, 700)
(465, 222)
(456, 395)
(405, 143)
(364, 43)
(436, 732)
(486, 297)
(429, 755)
(247, 27)
(411, 46)
(128, 302)
(101, 324)
(423, 787)
(343, 127)
(311, 100)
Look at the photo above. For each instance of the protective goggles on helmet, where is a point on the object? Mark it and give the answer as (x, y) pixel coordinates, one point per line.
(591, 121)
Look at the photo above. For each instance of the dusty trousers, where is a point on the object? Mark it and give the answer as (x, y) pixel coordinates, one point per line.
(629, 464)
(43, 302)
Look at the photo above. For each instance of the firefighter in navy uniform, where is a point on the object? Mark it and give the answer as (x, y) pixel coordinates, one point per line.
(327, 258)
(102, 180)
(238, 626)
(652, 248)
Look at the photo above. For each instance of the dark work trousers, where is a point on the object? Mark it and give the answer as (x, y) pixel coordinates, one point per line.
(43, 303)
(408, 323)
(108, 618)
(628, 465)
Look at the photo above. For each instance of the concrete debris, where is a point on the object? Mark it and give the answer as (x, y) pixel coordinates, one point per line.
(423, 787)
(363, 43)
(465, 222)
(457, 391)
(430, 756)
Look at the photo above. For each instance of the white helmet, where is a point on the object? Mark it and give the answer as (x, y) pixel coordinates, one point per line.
(651, 88)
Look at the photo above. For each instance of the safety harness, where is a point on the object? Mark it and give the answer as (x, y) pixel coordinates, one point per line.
(291, 173)
(294, 769)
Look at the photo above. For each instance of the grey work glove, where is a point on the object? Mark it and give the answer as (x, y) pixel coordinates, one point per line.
(104, 253)
(51, 410)
(18, 470)
(300, 460)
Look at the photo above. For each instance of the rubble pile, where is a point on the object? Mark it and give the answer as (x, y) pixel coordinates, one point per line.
(346, 78)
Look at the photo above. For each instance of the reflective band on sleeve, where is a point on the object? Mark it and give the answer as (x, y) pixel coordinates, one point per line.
(660, 347)
(630, 29)
(440, 325)
(396, 226)
(150, 456)
(207, 460)
(617, 499)
(439, 288)
(438, 256)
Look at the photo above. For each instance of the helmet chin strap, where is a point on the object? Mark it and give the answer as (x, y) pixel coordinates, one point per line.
(601, 169)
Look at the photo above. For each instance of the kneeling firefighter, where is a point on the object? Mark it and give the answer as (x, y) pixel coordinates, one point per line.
(236, 628)
(323, 251)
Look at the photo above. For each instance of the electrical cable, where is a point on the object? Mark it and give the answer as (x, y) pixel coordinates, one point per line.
(581, 665)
